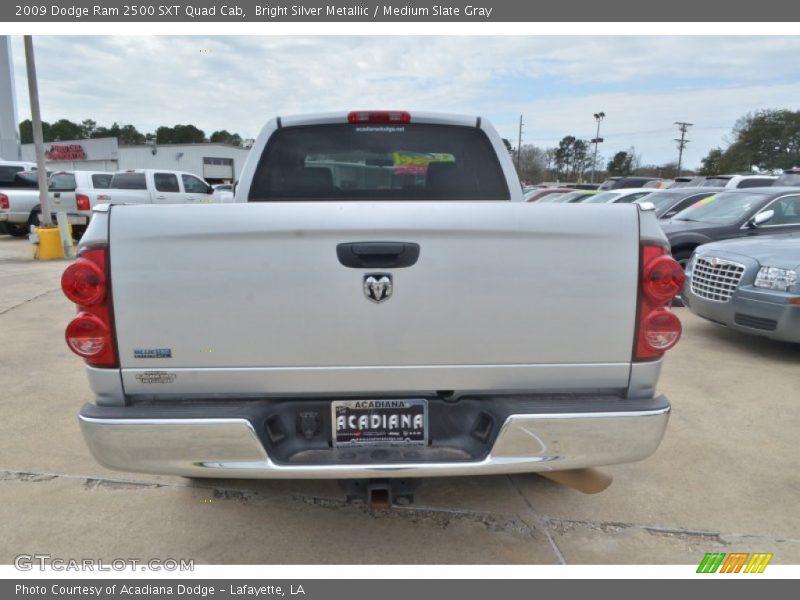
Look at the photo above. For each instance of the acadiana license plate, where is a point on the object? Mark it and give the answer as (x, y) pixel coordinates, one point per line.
(357, 422)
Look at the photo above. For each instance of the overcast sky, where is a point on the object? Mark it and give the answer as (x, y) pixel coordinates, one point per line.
(643, 84)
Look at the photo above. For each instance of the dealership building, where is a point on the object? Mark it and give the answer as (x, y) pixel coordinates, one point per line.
(216, 163)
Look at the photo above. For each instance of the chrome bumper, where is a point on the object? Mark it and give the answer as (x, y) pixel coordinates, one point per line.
(230, 447)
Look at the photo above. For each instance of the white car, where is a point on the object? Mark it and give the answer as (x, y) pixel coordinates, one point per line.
(620, 196)
(739, 181)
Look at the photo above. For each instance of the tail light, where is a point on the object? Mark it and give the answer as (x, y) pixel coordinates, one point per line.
(90, 335)
(379, 116)
(658, 329)
(82, 202)
(3, 201)
(87, 335)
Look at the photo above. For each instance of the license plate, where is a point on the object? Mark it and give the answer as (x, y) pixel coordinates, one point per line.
(357, 422)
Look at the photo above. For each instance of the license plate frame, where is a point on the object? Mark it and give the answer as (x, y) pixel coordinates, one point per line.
(385, 432)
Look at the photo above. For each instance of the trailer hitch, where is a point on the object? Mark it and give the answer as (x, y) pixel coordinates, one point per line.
(379, 494)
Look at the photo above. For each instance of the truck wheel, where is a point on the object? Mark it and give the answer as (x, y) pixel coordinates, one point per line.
(35, 219)
(16, 230)
(78, 231)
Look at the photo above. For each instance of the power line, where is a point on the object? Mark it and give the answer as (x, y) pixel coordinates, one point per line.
(633, 133)
(683, 127)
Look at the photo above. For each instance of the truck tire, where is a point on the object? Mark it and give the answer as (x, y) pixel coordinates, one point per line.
(34, 220)
(16, 230)
(78, 231)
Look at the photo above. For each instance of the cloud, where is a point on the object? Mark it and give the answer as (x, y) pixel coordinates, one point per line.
(643, 83)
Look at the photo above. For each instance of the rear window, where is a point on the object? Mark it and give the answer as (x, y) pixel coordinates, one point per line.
(715, 182)
(378, 162)
(26, 179)
(755, 182)
(128, 181)
(101, 181)
(63, 182)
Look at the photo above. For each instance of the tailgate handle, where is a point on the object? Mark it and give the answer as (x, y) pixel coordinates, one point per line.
(381, 255)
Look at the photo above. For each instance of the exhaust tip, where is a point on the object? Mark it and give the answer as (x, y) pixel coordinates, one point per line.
(588, 481)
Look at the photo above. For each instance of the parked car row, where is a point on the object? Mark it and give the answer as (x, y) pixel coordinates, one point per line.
(739, 244)
(741, 252)
(736, 181)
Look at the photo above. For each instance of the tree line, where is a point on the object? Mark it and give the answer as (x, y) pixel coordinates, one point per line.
(572, 160)
(765, 141)
(127, 135)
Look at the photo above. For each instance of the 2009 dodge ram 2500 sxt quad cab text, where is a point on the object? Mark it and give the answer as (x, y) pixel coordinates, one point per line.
(379, 303)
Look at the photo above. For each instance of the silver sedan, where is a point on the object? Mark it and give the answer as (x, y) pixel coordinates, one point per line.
(751, 285)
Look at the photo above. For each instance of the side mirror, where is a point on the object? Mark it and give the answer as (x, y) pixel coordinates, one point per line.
(209, 189)
(761, 218)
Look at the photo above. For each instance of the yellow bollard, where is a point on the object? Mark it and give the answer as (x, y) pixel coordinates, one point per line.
(49, 246)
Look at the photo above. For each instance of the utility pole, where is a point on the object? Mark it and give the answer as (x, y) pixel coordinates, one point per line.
(683, 127)
(38, 138)
(597, 139)
(519, 142)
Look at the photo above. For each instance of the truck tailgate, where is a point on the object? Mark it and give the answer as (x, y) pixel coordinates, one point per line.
(252, 299)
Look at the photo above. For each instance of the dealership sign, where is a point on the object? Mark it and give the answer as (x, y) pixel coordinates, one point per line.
(65, 152)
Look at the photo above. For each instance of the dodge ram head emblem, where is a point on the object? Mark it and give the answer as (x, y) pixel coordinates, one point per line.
(378, 286)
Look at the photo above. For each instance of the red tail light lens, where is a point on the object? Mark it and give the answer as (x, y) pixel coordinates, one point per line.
(3, 201)
(661, 330)
(84, 282)
(379, 116)
(658, 329)
(88, 336)
(91, 334)
(82, 202)
(662, 279)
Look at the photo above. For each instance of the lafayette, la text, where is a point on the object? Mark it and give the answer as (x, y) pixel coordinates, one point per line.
(147, 589)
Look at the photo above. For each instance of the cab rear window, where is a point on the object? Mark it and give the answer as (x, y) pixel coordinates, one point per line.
(101, 181)
(378, 162)
(7, 174)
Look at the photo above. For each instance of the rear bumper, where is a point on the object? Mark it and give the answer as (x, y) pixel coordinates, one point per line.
(178, 441)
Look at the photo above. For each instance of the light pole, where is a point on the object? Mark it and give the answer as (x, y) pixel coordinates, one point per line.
(597, 139)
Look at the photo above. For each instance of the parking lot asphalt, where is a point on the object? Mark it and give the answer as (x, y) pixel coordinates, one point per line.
(724, 479)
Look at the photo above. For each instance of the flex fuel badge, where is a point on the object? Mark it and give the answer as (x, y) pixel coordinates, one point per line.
(152, 353)
(156, 377)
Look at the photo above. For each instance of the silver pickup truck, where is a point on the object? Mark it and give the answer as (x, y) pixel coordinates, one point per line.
(378, 303)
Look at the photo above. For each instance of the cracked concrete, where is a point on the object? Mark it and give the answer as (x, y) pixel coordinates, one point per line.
(725, 478)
